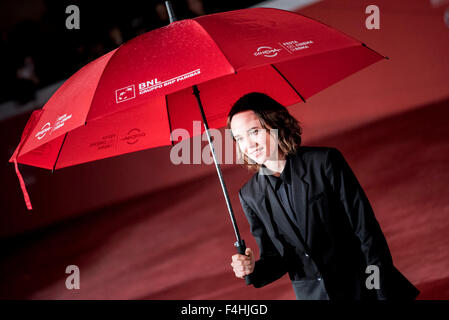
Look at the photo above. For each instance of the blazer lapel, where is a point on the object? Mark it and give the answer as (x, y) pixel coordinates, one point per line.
(300, 190)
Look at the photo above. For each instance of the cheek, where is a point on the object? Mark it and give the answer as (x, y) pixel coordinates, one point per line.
(242, 146)
(260, 140)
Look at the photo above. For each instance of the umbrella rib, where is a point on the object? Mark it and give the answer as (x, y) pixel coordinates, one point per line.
(288, 83)
(363, 44)
(59, 152)
(168, 115)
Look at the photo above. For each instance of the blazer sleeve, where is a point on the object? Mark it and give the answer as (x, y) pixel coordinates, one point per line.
(270, 266)
(361, 216)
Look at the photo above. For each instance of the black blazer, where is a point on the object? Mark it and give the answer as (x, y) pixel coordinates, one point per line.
(342, 235)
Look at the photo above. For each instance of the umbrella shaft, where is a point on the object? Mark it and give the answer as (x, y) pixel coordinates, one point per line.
(217, 166)
(171, 13)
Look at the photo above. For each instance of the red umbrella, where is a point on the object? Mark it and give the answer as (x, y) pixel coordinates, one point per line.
(133, 97)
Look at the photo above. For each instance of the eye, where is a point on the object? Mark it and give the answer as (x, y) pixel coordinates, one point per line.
(255, 131)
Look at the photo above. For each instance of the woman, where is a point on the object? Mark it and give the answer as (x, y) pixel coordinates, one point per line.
(307, 212)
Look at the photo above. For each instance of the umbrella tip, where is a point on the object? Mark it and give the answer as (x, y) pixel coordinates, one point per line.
(171, 13)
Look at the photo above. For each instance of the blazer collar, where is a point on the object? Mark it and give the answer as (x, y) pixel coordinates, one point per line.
(285, 175)
(294, 168)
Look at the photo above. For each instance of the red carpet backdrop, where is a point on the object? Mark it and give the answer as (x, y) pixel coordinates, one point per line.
(123, 220)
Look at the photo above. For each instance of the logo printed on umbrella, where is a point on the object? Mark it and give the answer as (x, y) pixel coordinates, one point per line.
(61, 120)
(148, 86)
(45, 128)
(106, 142)
(124, 94)
(294, 45)
(133, 136)
(268, 52)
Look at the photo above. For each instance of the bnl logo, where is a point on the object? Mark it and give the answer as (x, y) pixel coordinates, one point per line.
(124, 94)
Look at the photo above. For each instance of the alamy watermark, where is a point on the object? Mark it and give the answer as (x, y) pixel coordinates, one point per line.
(73, 20)
(73, 280)
(373, 20)
(185, 152)
(373, 280)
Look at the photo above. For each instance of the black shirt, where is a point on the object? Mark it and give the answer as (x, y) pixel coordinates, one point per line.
(282, 185)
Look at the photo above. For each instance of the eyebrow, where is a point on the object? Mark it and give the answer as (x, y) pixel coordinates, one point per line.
(237, 135)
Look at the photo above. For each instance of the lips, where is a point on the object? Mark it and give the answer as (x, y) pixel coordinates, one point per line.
(257, 153)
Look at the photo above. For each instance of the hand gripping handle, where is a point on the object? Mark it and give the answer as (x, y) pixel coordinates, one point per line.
(241, 248)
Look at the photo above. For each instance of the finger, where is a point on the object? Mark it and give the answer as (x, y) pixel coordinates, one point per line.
(238, 274)
(238, 257)
(244, 269)
(242, 263)
(244, 273)
(237, 263)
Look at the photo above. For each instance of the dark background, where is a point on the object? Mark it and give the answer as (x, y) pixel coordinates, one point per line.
(35, 30)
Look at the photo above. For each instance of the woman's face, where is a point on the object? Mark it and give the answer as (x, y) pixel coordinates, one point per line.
(253, 140)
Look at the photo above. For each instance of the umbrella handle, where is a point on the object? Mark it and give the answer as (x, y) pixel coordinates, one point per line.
(241, 248)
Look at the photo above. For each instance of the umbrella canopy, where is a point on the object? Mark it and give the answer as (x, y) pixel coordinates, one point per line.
(133, 97)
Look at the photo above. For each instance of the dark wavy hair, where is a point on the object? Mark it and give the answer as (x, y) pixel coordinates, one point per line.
(271, 114)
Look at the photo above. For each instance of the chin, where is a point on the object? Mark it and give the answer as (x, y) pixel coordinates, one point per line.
(260, 160)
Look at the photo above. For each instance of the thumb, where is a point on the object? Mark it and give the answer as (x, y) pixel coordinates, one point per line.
(249, 252)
